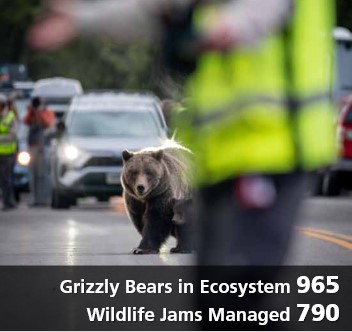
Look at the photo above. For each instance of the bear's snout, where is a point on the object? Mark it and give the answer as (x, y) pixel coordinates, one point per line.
(141, 186)
(140, 189)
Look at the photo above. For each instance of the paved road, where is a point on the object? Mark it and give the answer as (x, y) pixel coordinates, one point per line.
(94, 234)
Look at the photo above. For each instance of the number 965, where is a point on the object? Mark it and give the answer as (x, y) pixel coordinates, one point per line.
(318, 284)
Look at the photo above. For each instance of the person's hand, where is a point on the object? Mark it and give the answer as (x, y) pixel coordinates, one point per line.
(218, 38)
(55, 29)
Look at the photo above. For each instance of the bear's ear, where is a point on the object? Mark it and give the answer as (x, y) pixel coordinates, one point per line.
(126, 155)
(158, 154)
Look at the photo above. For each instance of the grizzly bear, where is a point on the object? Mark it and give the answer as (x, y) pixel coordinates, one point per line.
(154, 181)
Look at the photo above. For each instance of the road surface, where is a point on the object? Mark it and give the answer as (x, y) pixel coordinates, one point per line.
(98, 234)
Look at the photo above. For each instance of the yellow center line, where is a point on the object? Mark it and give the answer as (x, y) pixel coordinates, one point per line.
(325, 232)
(341, 243)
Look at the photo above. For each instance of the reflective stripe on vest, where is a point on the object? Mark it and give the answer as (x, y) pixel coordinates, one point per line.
(247, 113)
(7, 148)
(240, 105)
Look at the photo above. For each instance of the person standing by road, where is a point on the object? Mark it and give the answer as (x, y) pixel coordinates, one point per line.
(260, 118)
(38, 118)
(8, 148)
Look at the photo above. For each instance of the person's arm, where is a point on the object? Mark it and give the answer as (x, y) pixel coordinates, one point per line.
(245, 22)
(238, 21)
(125, 20)
(12, 107)
(28, 118)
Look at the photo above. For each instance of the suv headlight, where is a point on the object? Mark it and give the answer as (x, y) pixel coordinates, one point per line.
(71, 155)
(70, 152)
(23, 158)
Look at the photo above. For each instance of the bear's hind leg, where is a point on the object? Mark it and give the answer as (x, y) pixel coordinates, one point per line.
(184, 240)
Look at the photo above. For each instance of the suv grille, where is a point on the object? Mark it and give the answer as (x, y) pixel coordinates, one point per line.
(103, 161)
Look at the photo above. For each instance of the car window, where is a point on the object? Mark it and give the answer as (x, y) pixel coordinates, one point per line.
(113, 124)
(348, 117)
(56, 89)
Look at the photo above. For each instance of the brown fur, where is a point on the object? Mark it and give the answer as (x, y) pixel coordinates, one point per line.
(153, 179)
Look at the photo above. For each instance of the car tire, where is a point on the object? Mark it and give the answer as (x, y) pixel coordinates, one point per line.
(317, 184)
(103, 199)
(59, 200)
(17, 195)
(332, 186)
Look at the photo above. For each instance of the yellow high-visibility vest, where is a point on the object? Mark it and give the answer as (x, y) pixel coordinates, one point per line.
(264, 108)
(7, 148)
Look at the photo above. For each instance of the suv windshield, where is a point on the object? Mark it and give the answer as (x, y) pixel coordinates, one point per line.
(113, 124)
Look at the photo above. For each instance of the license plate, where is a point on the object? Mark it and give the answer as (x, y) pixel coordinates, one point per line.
(113, 178)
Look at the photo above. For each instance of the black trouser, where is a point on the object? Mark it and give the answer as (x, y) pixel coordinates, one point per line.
(229, 234)
(6, 183)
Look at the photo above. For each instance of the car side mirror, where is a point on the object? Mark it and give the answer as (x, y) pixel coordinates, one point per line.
(61, 127)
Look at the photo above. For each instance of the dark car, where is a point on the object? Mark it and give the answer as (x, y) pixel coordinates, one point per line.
(338, 176)
(11, 73)
(87, 158)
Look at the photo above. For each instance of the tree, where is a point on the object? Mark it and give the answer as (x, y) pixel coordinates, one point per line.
(97, 63)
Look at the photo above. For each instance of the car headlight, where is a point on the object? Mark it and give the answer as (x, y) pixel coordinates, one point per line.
(70, 152)
(23, 158)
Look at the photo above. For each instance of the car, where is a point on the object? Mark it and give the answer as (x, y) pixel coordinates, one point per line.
(57, 93)
(10, 73)
(336, 178)
(87, 155)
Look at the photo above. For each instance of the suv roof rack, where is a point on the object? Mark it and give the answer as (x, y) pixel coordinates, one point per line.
(127, 93)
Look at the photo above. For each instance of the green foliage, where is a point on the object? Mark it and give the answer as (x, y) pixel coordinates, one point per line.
(15, 17)
(100, 63)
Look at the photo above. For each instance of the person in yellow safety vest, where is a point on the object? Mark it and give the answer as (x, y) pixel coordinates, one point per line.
(8, 148)
(259, 117)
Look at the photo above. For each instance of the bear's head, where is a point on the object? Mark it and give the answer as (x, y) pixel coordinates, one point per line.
(143, 172)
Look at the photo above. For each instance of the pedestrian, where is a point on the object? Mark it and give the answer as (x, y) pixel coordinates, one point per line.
(39, 119)
(260, 117)
(8, 147)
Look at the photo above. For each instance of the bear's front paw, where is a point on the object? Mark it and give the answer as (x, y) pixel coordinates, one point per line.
(178, 250)
(140, 251)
